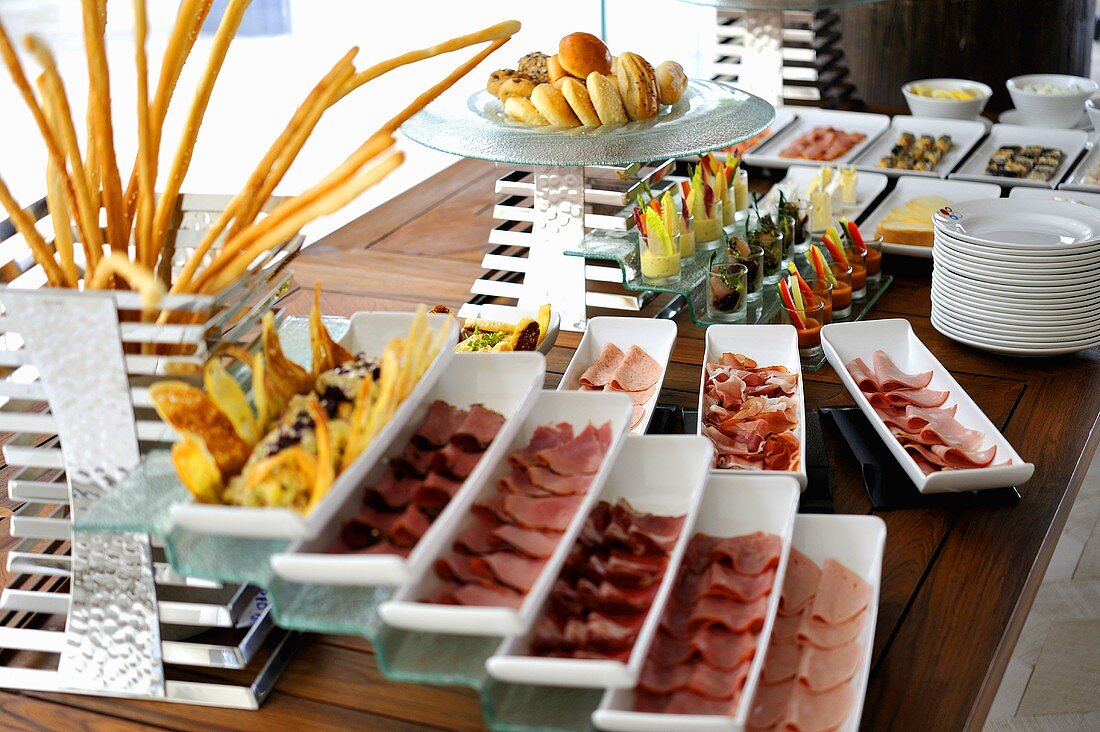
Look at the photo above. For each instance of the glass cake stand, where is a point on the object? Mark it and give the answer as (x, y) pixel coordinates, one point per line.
(711, 115)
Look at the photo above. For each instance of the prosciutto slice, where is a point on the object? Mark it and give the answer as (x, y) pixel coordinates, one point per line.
(530, 543)
(558, 485)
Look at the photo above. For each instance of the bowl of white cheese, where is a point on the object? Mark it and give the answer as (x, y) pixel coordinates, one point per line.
(1050, 100)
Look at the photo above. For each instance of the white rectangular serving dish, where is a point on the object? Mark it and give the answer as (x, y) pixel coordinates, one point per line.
(1070, 142)
(367, 333)
(858, 543)
(784, 116)
(550, 407)
(843, 342)
(768, 345)
(504, 382)
(1073, 195)
(908, 188)
(734, 504)
(654, 336)
(964, 136)
(797, 180)
(1075, 180)
(766, 154)
(663, 475)
(513, 314)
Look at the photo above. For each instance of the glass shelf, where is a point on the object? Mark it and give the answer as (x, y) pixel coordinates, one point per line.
(621, 247)
(710, 115)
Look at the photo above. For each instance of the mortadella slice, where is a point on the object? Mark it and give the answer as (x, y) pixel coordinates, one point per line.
(603, 368)
(823, 670)
(800, 583)
(637, 371)
(841, 594)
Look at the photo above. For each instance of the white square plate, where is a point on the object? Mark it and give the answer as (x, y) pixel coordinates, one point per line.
(797, 180)
(843, 342)
(551, 407)
(367, 333)
(1070, 142)
(768, 345)
(663, 475)
(1075, 181)
(766, 155)
(964, 136)
(734, 504)
(908, 188)
(654, 336)
(504, 382)
(1064, 193)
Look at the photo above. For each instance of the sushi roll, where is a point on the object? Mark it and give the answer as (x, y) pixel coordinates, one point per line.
(1042, 172)
(1052, 152)
(925, 142)
(1003, 155)
(943, 144)
(1053, 160)
(906, 139)
(886, 161)
(1015, 169)
(898, 150)
(995, 168)
(924, 164)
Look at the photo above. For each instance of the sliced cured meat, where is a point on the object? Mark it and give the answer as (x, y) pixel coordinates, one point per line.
(704, 681)
(544, 437)
(637, 414)
(603, 368)
(863, 375)
(649, 703)
(493, 508)
(636, 372)
(781, 452)
(782, 662)
(686, 701)
(664, 679)
(669, 650)
(634, 571)
(799, 584)
(917, 397)
(477, 595)
(723, 650)
(952, 457)
(580, 456)
(641, 397)
(478, 429)
(475, 538)
(822, 670)
(733, 615)
(547, 636)
(456, 569)
(891, 378)
(769, 705)
(611, 598)
(435, 492)
(827, 636)
(439, 425)
(737, 361)
(697, 555)
(518, 481)
(592, 532)
(786, 626)
(654, 533)
(605, 631)
(841, 594)
(413, 461)
(723, 581)
(749, 554)
(508, 568)
(545, 514)
(559, 485)
(811, 711)
(455, 462)
(392, 492)
(407, 529)
(531, 543)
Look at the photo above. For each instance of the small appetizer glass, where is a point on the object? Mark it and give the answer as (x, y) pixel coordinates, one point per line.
(874, 259)
(687, 237)
(709, 232)
(823, 293)
(771, 242)
(741, 193)
(660, 262)
(809, 330)
(857, 260)
(754, 262)
(729, 207)
(726, 292)
(842, 290)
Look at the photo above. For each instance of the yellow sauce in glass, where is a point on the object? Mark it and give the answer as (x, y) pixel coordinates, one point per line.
(659, 266)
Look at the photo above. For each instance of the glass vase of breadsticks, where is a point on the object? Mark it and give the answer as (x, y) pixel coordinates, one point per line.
(136, 249)
(583, 85)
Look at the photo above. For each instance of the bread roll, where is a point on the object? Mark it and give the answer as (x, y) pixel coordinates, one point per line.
(534, 65)
(551, 104)
(554, 70)
(521, 110)
(603, 91)
(577, 95)
(518, 86)
(637, 86)
(671, 82)
(497, 78)
(582, 53)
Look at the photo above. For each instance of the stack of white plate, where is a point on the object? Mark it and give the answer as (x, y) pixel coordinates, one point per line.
(1017, 276)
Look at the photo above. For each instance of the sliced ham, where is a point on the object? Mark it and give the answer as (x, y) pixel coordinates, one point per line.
(609, 597)
(704, 681)
(603, 368)
(916, 397)
(518, 481)
(559, 485)
(544, 437)
(769, 705)
(435, 492)
(580, 456)
(637, 371)
(863, 375)
(439, 425)
(414, 461)
(723, 650)
(723, 581)
(475, 538)
(478, 429)
(811, 711)
(545, 514)
(408, 528)
(634, 571)
(476, 595)
(456, 569)
(841, 594)
(508, 568)
(823, 670)
(799, 584)
(826, 635)
(723, 612)
(952, 457)
(750, 554)
(455, 462)
(686, 701)
(786, 626)
(391, 491)
(782, 662)
(530, 543)
(649, 703)
(891, 378)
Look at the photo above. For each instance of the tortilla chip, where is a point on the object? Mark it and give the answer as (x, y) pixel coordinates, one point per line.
(327, 353)
(192, 412)
(283, 377)
(284, 479)
(197, 470)
(230, 398)
(326, 472)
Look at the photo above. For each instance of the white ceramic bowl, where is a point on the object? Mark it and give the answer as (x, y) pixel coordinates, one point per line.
(1092, 106)
(1050, 110)
(922, 106)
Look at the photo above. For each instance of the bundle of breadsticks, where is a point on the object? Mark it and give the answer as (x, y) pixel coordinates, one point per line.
(136, 246)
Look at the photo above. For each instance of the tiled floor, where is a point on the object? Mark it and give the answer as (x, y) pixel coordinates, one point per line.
(1053, 680)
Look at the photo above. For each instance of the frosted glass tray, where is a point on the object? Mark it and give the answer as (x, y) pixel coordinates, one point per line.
(710, 115)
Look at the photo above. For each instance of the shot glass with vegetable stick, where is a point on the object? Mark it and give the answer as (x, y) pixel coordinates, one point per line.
(704, 204)
(752, 256)
(806, 318)
(726, 291)
(872, 247)
(719, 175)
(687, 231)
(658, 249)
(839, 276)
(850, 256)
(741, 192)
(763, 231)
(799, 211)
(813, 290)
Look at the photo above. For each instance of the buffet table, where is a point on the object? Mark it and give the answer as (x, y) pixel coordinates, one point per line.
(957, 584)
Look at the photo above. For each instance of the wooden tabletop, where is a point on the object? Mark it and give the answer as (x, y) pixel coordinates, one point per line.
(956, 586)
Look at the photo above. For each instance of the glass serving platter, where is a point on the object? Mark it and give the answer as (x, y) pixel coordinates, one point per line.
(710, 115)
(622, 248)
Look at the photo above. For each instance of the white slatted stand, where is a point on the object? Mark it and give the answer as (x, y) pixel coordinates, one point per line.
(104, 614)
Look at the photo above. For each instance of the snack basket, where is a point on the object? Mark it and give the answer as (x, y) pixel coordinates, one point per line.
(77, 367)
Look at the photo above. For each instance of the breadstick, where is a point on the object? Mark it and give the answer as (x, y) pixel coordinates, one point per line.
(99, 110)
(139, 277)
(145, 203)
(233, 211)
(189, 19)
(166, 207)
(55, 202)
(331, 201)
(87, 214)
(25, 226)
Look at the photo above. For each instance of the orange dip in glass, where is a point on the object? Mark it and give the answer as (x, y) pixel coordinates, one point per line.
(825, 299)
(810, 336)
(842, 294)
(874, 261)
(859, 276)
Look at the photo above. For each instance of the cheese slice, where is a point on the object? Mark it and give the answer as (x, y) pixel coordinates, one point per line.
(911, 223)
